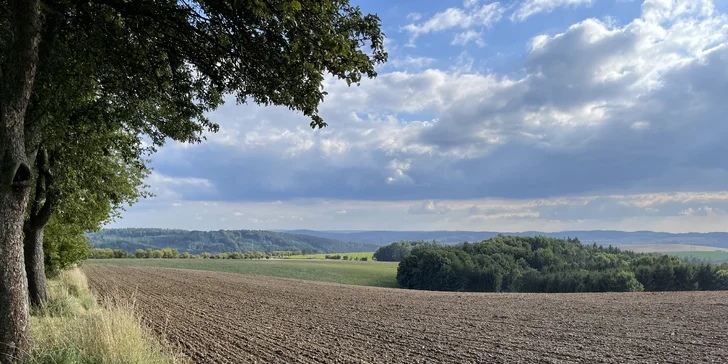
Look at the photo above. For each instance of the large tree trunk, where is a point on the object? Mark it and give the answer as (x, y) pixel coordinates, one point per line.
(35, 265)
(14, 320)
(40, 212)
(16, 85)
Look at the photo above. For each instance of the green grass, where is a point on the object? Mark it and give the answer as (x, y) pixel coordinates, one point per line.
(380, 274)
(713, 256)
(368, 255)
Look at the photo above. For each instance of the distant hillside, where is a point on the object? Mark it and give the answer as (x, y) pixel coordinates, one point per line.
(220, 241)
(601, 237)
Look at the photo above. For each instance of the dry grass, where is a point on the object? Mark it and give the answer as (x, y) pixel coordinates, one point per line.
(72, 328)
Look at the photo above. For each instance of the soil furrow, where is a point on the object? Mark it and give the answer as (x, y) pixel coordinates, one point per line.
(231, 318)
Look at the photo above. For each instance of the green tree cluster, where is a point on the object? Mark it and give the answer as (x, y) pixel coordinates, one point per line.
(541, 264)
(397, 251)
(195, 242)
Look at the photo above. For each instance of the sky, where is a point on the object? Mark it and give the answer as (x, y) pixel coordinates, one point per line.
(508, 116)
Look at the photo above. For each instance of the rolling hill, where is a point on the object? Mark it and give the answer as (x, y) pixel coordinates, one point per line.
(220, 241)
(601, 237)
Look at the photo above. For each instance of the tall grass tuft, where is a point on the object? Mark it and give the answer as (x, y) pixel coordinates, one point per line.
(72, 328)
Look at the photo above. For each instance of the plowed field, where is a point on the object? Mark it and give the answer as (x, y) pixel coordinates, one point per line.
(231, 318)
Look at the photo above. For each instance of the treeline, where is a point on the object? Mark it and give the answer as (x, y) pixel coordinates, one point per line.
(397, 251)
(541, 264)
(170, 253)
(220, 241)
(344, 257)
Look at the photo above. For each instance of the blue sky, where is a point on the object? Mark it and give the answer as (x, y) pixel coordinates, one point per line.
(507, 116)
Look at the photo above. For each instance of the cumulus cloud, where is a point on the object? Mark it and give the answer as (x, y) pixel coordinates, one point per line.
(470, 15)
(529, 8)
(598, 110)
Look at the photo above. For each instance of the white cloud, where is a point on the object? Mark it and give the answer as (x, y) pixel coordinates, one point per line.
(414, 16)
(412, 62)
(464, 18)
(398, 172)
(662, 10)
(469, 36)
(170, 188)
(428, 208)
(529, 8)
(598, 110)
(667, 212)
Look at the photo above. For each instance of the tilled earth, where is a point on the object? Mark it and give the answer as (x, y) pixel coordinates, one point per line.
(230, 318)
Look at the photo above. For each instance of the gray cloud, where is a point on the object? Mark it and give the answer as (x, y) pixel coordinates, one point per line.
(598, 111)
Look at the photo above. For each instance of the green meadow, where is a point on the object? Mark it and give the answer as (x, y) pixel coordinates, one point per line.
(352, 256)
(380, 274)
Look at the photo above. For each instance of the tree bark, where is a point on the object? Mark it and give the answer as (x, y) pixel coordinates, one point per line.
(40, 212)
(16, 85)
(35, 265)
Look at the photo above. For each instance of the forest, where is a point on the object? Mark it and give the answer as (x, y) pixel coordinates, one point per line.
(220, 241)
(397, 251)
(542, 264)
(169, 253)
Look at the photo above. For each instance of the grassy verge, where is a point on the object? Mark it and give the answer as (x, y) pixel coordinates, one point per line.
(73, 328)
(381, 274)
(368, 255)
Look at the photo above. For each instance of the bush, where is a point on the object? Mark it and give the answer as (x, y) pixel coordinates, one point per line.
(364, 259)
(64, 246)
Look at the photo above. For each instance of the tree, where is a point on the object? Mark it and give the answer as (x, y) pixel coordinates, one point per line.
(63, 246)
(182, 57)
(397, 251)
(87, 187)
(20, 23)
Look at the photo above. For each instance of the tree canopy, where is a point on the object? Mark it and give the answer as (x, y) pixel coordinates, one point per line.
(399, 250)
(541, 264)
(114, 73)
(219, 241)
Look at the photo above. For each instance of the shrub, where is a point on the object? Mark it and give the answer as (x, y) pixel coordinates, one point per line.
(364, 259)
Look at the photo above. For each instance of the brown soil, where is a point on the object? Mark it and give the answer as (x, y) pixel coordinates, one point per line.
(230, 318)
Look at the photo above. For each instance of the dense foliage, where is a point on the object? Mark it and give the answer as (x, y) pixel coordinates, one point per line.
(64, 245)
(169, 253)
(397, 251)
(541, 264)
(219, 241)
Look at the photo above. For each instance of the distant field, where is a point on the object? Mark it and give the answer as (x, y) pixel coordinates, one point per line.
(367, 255)
(714, 256)
(380, 274)
(669, 248)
